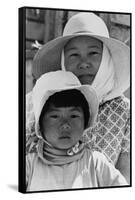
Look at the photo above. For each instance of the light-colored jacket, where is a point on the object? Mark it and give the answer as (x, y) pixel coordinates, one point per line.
(91, 170)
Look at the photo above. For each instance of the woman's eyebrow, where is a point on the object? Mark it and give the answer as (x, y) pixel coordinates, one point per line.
(89, 47)
(95, 46)
(71, 49)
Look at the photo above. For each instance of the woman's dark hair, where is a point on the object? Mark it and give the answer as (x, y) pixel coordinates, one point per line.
(67, 98)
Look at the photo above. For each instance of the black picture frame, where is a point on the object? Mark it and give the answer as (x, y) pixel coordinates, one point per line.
(26, 44)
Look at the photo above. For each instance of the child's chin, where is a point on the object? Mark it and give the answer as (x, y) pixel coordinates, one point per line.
(65, 145)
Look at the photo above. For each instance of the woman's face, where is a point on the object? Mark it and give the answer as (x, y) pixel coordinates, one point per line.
(62, 127)
(83, 56)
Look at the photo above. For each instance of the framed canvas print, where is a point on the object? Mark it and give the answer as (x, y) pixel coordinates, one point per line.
(74, 99)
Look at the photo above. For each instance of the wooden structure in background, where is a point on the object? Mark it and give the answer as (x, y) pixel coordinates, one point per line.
(44, 25)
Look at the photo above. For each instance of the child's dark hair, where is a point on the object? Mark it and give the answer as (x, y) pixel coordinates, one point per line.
(67, 98)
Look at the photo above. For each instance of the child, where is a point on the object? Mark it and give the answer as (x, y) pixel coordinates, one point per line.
(103, 62)
(63, 109)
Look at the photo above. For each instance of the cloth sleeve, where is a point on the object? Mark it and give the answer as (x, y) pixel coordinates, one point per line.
(30, 118)
(107, 174)
(31, 138)
(30, 158)
(125, 144)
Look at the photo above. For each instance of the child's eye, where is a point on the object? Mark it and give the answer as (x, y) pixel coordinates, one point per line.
(54, 116)
(93, 53)
(74, 116)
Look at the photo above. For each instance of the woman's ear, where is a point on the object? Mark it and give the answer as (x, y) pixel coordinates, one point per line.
(34, 79)
(63, 61)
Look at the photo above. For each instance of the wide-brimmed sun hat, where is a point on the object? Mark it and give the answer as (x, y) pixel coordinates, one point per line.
(48, 58)
(53, 82)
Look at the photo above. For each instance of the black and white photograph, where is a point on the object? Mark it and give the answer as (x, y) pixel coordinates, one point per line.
(75, 68)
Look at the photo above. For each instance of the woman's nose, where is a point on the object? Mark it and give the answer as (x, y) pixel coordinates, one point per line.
(84, 64)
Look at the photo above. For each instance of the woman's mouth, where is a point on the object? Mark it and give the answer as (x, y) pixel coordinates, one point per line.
(86, 79)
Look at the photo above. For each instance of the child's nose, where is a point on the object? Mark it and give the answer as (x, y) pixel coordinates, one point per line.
(65, 126)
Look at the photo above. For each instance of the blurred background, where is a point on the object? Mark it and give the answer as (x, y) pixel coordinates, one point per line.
(43, 25)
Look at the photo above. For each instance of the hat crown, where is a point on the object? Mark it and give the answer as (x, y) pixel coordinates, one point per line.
(86, 22)
(49, 83)
(56, 80)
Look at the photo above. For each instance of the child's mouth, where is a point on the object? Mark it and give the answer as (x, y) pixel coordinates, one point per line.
(64, 137)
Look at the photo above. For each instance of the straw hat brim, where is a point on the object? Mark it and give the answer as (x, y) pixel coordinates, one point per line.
(48, 58)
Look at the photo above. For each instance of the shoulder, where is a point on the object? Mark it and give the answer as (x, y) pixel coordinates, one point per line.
(30, 117)
(119, 106)
(102, 164)
(29, 96)
(29, 105)
(31, 143)
(97, 157)
(30, 159)
(121, 100)
(107, 174)
(31, 156)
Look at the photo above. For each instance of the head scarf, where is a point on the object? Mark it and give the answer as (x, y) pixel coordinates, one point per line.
(104, 81)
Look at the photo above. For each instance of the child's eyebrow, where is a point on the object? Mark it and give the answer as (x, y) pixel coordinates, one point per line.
(53, 109)
(58, 109)
(75, 109)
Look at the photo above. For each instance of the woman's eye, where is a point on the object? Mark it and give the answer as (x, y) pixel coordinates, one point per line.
(74, 55)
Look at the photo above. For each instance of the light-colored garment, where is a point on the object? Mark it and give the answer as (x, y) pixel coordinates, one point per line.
(110, 135)
(90, 170)
(106, 80)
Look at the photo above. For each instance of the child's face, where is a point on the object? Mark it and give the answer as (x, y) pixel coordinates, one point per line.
(63, 127)
(83, 56)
